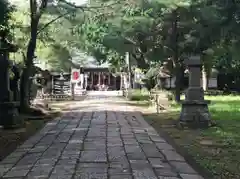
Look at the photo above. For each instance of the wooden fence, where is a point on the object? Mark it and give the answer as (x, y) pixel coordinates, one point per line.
(159, 99)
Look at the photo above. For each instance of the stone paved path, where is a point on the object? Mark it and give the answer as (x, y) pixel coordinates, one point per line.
(97, 139)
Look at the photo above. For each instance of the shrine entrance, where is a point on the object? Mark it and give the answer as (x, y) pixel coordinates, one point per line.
(100, 79)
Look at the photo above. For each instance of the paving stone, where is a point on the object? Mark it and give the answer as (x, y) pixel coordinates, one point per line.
(183, 167)
(67, 162)
(172, 155)
(38, 149)
(39, 172)
(94, 146)
(156, 138)
(167, 172)
(58, 176)
(191, 176)
(164, 177)
(120, 177)
(132, 148)
(90, 175)
(8, 161)
(136, 156)
(51, 155)
(22, 167)
(139, 164)
(91, 170)
(164, 146)
(158, 163)
(46, 162)
(29, 159)
(64, 170)
(145, 173)
(4, 169)
(18, 154)
(150, 150)
(92, 165)
(113, 144)
(127, 135)
(93, 156)
(75, 141)
(16, 173)
(116, 153)
(119, 171)
(73, 147)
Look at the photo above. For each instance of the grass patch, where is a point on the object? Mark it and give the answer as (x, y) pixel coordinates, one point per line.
(217, 149)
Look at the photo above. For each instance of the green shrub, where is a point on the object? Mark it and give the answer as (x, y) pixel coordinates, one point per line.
(139, 95)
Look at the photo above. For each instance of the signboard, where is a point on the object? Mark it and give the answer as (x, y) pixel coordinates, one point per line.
(75, 75)
(61, 87)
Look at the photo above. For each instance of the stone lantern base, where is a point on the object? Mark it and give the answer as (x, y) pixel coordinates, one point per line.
(9, 115)
(195, 114)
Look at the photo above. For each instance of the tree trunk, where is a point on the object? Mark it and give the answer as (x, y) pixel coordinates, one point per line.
(179, 73)
(25, 77)
(174, 44)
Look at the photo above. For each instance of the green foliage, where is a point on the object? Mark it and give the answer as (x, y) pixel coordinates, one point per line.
(5, 10)
(143, 28)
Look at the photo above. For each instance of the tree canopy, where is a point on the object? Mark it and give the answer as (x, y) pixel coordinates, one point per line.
(59, 32)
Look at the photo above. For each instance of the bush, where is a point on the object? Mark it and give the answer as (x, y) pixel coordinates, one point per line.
(139, 95)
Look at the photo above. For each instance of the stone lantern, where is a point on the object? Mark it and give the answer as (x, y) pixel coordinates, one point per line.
(9, 115)
(195, 113)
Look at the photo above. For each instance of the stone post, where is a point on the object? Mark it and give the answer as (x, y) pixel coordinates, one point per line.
(9, 115)
(195, 113)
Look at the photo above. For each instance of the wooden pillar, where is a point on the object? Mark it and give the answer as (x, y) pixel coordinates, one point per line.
(103, 78)
(92, 74)
(52, 84)
(115, 82)
(121, 81)
(99, 78)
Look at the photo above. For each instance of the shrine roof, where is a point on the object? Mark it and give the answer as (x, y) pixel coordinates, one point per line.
(94, 64)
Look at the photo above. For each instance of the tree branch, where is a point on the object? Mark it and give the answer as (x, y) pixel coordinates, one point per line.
(52, 21)
(82, 7)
